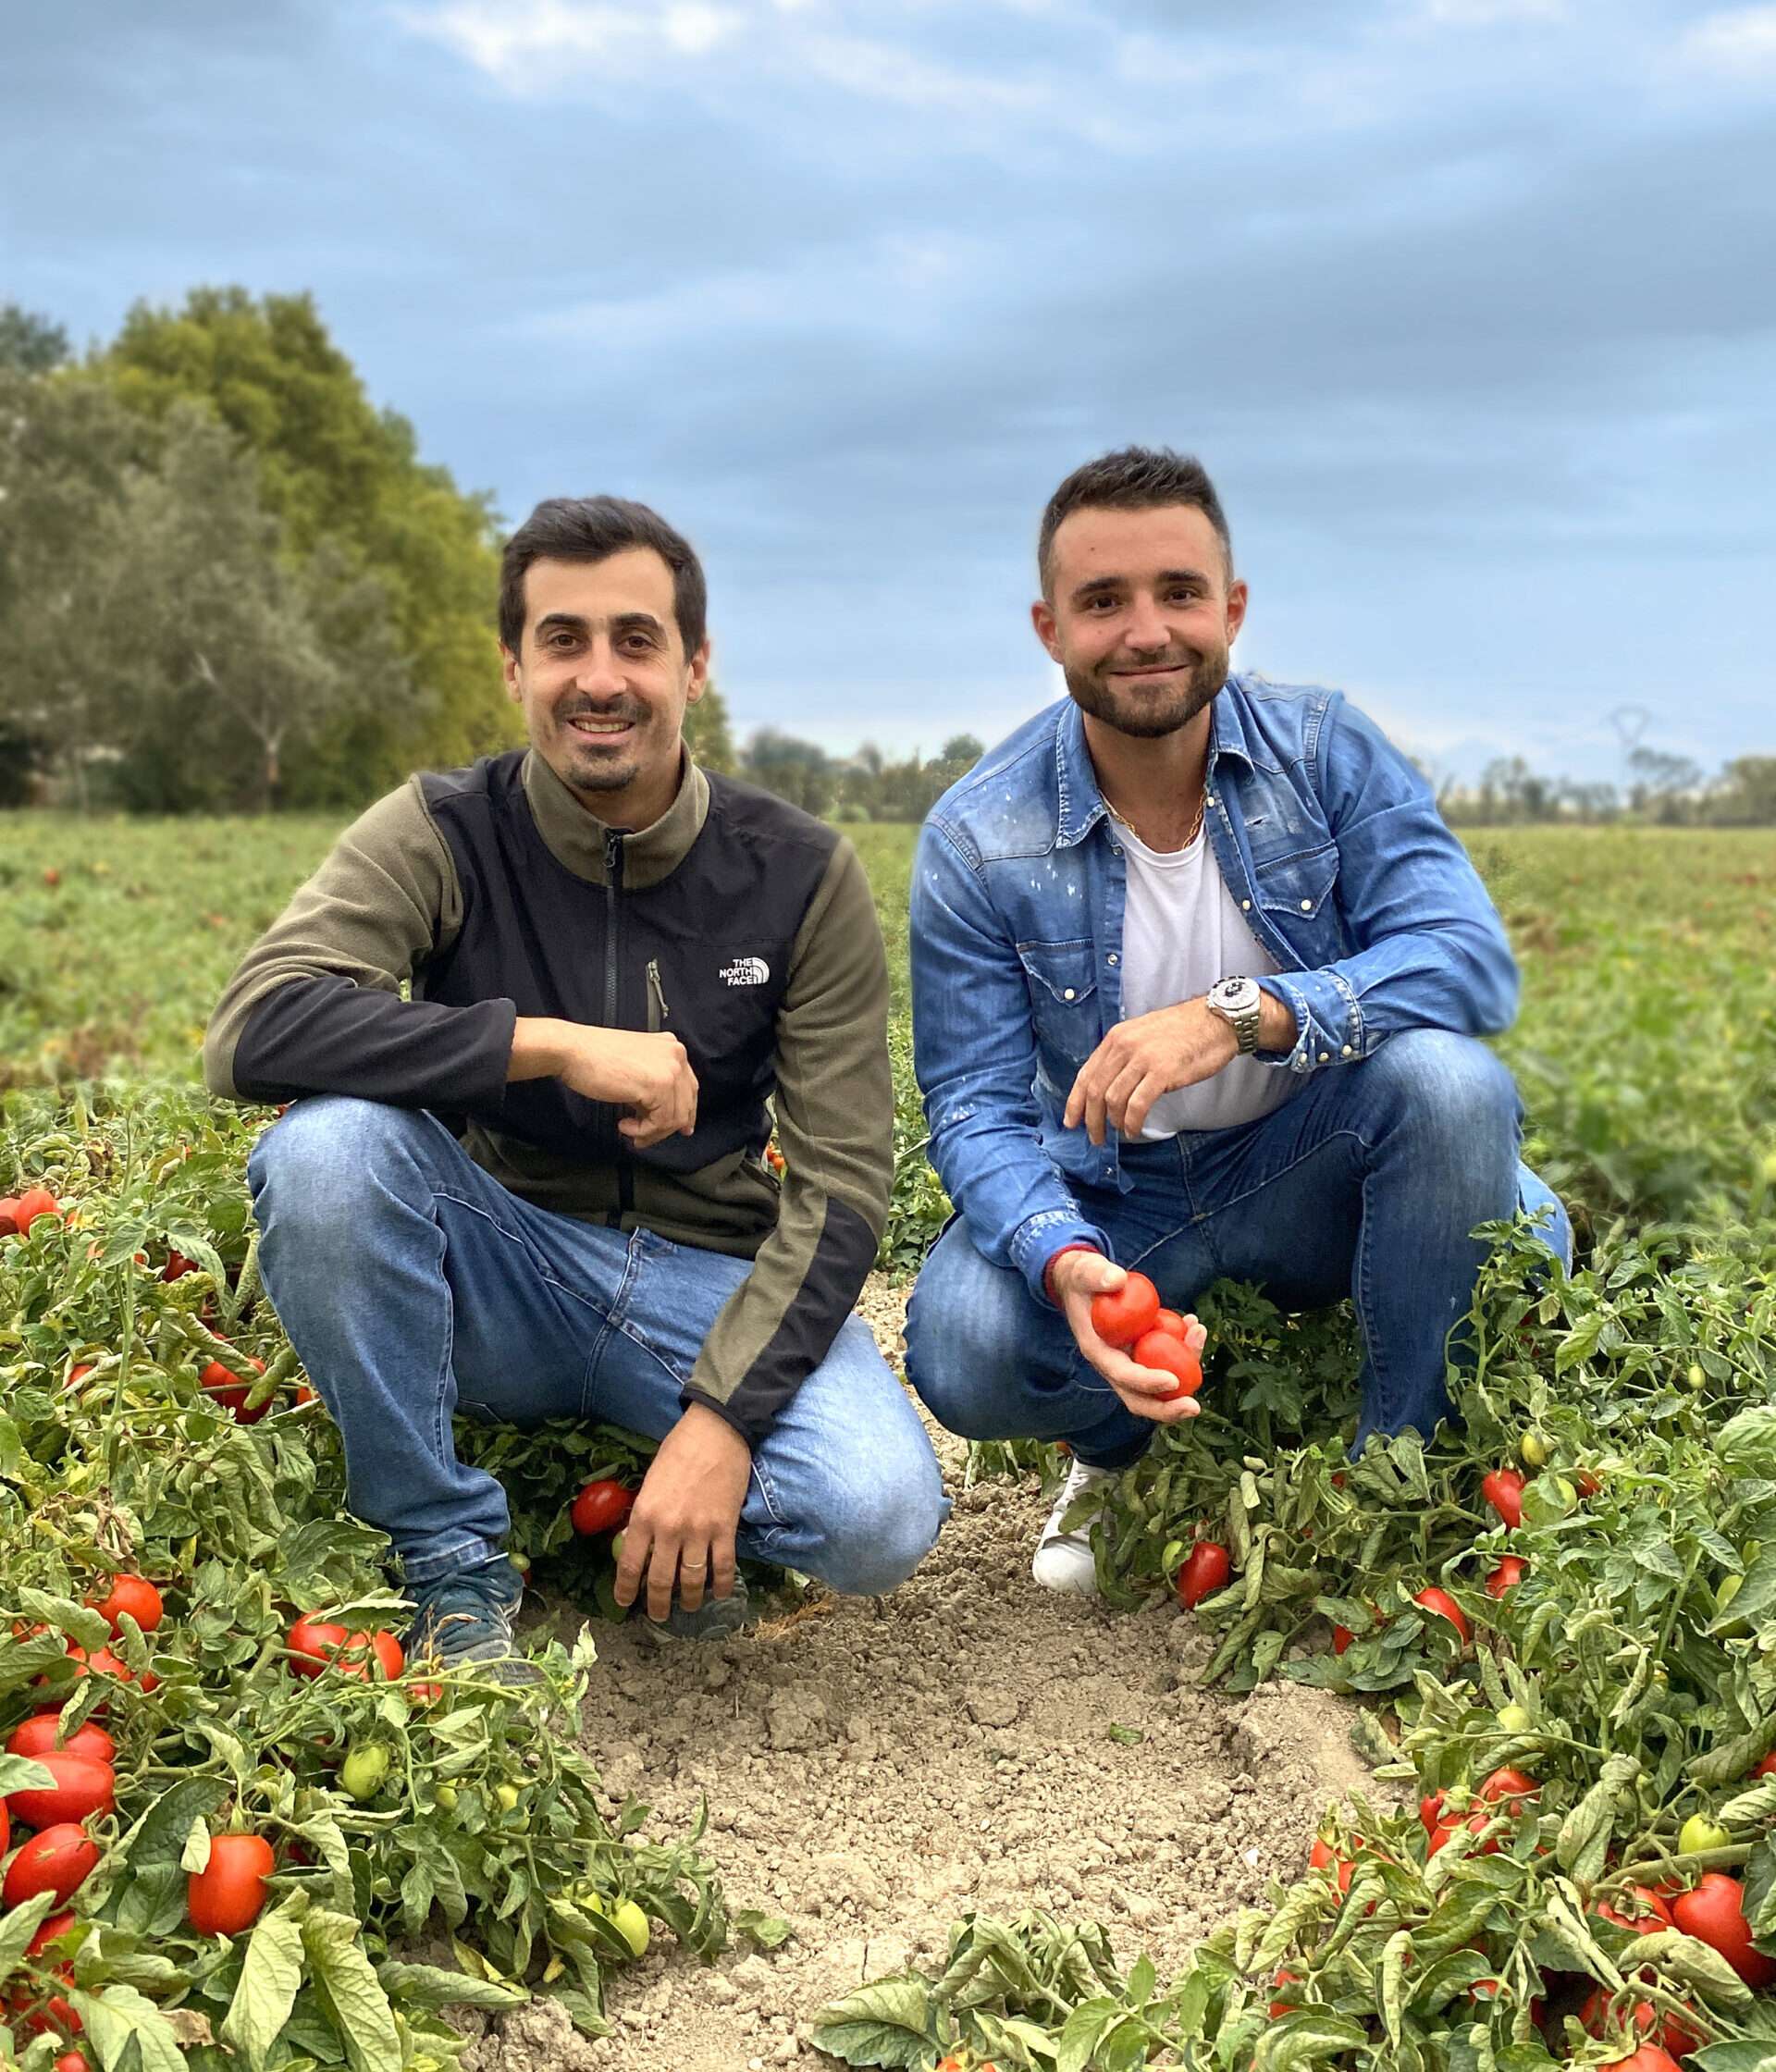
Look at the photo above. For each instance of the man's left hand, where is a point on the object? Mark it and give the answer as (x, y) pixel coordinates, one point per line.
(685, 1517)
(1157, 1054)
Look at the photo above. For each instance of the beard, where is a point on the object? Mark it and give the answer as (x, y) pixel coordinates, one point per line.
(595, 765)
(1161, 709)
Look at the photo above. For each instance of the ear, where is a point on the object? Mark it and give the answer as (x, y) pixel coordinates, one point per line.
(1237, 599)
(699, 666)
(509, 670)
(1042, 616)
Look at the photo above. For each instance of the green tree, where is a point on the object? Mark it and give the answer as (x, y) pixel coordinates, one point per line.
(1747, 793)
(800, 771)
(332, 467)
(28, 342)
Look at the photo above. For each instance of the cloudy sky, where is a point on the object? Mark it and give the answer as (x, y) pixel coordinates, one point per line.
(1467, 304)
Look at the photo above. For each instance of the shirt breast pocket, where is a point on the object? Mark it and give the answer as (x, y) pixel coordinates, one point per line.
(1063, 982)
(1298, 887)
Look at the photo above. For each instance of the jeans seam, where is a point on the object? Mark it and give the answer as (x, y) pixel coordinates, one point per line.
(1313, 1151)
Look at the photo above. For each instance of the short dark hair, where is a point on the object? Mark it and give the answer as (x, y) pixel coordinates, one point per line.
(1134, 478)
(592, 529)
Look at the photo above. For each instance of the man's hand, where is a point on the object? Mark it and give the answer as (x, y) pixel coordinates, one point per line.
(1157, 1054)
(1074, 1279)
(684, 1519)
(626, 1066)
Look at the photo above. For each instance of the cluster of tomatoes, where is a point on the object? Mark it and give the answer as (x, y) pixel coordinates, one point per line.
(1132, 1320)
(19, 1212)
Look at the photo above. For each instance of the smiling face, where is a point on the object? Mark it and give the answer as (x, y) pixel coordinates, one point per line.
(1140, 614)
(603, 678)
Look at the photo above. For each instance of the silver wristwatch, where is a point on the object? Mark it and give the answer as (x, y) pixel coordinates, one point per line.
(1237, 1001)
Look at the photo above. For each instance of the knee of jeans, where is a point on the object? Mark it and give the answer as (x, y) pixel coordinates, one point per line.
(310, 1167)
(1452, 1086)
(966, 1319)
(886, 1532)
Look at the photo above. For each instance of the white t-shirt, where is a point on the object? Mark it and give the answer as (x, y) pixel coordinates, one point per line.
(1181, 931)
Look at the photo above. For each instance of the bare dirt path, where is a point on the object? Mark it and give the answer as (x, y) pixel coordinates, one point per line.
(876, 1767)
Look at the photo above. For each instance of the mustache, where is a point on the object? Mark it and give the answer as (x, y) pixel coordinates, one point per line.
(1167, 657)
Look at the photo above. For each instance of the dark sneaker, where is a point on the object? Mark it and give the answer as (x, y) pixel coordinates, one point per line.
(714, 1619)
(467, 1617)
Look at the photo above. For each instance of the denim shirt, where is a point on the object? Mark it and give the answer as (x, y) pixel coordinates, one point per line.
(1325, 835)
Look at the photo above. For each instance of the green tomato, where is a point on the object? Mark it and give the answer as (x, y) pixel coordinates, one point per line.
(507, 1796)
(1697, 1378)
(631, 1923)
(1534, 1448)
(364, 1770)
(444, 1797)
(1514, 1719)
(588, 1901)
(1700, 1832)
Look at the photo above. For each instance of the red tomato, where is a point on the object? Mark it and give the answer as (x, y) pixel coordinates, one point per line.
(1121, 1318)
(1714, 1913)
(1169, 1320)
(78, 1374)
(9, 1215)
(136, 1596)
(1765, 1766)
(1509, 1790)
(177, 1266)
(71, 2061)
(305, 1395)
(1503, 1490)
(1649, 2058)
(33, 1203)
(316, 1643)
(313, 1643)
(601, 1507)
(1430, 1811)
(1160, 1351)
(6, 1828)
(105, 1664)
(231, 1392)
(38, 2018)
(1672, 2033)
(1206, 1569)
(1587, 1482)
(58, 1925)
(1280, 2007)
(1653, 1915)
(228, 1893)
(58, 1860)
(1507, 1575)
(1341, 1638)
(1323, 1856)
(83, 1786)
(1445, 1606)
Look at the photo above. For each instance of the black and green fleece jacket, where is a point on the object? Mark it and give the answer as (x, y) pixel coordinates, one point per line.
(737, 922)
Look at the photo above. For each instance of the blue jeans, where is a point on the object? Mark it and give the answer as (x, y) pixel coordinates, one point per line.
(1367, 1183)
(413, 1286)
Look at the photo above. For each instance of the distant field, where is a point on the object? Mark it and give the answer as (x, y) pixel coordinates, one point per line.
(1646, 1050)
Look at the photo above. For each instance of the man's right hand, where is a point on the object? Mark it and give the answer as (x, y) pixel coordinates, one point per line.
(1074, 1278)
(626, 1066)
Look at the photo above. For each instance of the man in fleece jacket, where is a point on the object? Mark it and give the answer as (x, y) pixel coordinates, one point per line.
(537, 1187)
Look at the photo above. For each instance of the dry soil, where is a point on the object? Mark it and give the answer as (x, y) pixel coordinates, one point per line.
(876, 1767)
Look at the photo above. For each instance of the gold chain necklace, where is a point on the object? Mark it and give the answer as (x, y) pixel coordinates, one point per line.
(1122, 820)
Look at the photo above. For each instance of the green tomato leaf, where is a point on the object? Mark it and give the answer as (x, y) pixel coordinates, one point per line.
(885, 2023)
(271, 1976)
(350, 1993)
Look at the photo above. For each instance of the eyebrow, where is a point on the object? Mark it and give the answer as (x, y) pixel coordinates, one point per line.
(1096, 586)
(624, 621)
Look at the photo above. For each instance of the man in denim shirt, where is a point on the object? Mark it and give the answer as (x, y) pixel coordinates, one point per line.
(1106, 1086)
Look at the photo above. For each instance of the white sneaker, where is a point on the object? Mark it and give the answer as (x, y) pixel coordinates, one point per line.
(1063, 1559)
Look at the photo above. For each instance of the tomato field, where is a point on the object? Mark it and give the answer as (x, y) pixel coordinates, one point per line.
(1622, 1672)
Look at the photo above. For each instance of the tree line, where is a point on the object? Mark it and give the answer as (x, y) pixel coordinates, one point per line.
(226, 579)
(1662, 789)
(865, 786)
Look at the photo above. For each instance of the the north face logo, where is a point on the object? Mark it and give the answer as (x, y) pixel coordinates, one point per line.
(746, 972)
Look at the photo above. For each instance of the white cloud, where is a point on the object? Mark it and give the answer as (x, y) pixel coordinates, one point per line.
(1742, 38)
(516, 43)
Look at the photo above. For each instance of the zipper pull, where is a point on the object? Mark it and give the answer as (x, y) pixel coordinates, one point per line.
(657, 1012)
(613, 855)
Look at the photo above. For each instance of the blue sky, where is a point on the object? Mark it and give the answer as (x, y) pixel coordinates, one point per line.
(1468, 304)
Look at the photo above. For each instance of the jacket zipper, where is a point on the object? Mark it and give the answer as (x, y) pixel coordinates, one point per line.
(659, 1013)
(613, 884)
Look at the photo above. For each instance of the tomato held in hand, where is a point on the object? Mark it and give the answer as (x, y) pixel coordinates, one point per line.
(1715, 1913)
(36, 1736)
(1507, 1575)
(1206, 1569)
(1170, 1321)
(601, 1507)
(1445, 1606)
(1122, 1317)
(58, 1860)
(82, 1788)
(135, 1595)
(1160, 1352)
(228, 1893)
(1503, 1490)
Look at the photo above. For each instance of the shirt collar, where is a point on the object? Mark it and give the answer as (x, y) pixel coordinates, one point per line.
(575, 835)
